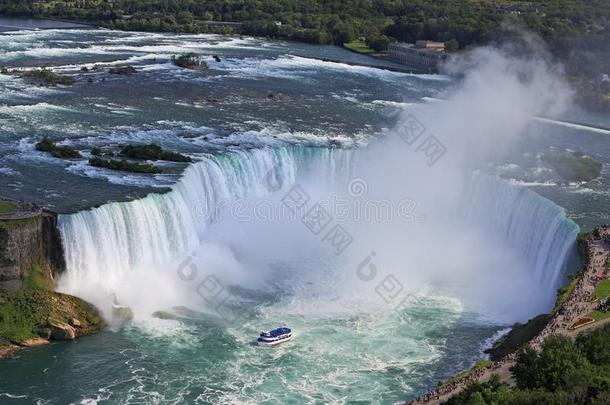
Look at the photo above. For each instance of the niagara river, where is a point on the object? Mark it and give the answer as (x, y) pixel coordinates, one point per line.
(309, 202)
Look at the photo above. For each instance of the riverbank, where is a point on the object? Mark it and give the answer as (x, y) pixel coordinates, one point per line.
(392, 68)
(577, 304)
(17, 24)
(361, 48)
(375, 61)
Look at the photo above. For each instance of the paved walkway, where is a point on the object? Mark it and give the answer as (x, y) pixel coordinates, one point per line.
(578, 304)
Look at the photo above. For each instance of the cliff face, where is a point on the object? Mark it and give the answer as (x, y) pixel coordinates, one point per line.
(53, 249)
(25, 242)
(31, 258)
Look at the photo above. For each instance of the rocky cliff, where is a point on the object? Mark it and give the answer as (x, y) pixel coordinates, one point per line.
(27, 241)
(31, 259)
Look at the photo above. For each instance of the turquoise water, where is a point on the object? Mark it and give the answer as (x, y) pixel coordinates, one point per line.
(349, 345)
(335, 356)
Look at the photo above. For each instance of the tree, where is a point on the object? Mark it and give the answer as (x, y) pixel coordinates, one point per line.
(378, 43)
(596, 346)
(524, 370)
(553, 368)
(452, 45)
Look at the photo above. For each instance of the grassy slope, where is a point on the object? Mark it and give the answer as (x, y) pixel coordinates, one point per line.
(26, 312)
(521, 334)
(518, 336)
(358, 46)
(602, 289)
(563, 293)
(599, 316)
(7, 207)
(478, 365)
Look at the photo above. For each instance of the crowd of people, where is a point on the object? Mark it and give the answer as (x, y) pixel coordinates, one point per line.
(581, 301)
(603, 305)
(463, 381)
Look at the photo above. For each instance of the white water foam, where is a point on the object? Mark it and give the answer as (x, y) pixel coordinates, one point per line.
(566, 124)
(302, 67)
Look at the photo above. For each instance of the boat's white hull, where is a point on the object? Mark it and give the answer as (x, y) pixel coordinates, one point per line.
(274, 342)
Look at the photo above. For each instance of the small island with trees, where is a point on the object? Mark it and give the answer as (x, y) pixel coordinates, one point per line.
(129, 156)
(189, 61)
(572, 166)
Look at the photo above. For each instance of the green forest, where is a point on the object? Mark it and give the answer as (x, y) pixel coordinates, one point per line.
(561, 22)
(563, 373)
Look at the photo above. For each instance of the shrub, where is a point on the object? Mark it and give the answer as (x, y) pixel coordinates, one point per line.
(378, 42)
(122, 70)
(189, 61)
(64, 152)
(45, 145)
(124, 165)
(152, 152)
(48, 77)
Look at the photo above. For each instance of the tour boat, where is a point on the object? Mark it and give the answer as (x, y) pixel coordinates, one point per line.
(274, 337)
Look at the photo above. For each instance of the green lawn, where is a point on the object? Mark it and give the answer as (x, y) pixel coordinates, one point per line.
(358, 46)
(599, 316)
(7, 207)
(602, 289)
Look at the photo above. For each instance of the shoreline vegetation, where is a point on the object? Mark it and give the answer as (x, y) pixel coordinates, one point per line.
(533, 362)
(335, 22)
(32, 313)
(563, 371)
(576, 31)
(36, 314)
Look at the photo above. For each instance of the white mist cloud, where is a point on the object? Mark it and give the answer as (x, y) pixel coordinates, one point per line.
(490, 108)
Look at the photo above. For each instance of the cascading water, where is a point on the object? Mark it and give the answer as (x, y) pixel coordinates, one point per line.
(104, 245)
(525, 222)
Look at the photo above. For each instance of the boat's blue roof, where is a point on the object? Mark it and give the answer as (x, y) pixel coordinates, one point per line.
(278, 332)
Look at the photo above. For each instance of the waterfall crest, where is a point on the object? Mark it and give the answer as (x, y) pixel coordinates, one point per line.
(103, 245)
(523, 221)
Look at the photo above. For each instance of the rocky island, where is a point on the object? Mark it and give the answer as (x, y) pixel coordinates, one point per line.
(572, 166)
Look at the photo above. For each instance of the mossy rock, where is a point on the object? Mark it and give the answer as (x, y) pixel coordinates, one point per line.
(46, 76)
(30, 312)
